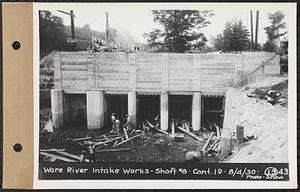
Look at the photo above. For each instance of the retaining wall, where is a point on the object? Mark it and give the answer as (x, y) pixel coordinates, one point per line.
(154, 72)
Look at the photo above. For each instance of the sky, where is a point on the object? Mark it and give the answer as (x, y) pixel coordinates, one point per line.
(136, 19)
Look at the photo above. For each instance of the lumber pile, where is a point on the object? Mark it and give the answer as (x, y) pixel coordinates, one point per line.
(179, 128)
(101, 144)
(111, 142)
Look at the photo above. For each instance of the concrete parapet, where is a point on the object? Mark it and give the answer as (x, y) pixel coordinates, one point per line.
(95, 109)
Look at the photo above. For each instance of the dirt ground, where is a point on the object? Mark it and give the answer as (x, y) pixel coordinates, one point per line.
(150, 147)
(266, 125)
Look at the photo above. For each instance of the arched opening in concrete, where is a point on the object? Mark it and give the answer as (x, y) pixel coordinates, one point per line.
(148, 107)
(212, 110)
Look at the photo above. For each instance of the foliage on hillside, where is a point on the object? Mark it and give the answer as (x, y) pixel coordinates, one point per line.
(54, 34)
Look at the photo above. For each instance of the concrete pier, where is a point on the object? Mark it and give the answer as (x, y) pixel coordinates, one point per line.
(164, 110)
(57, 108)
(132, 107)
(95, 109)
(196, 111)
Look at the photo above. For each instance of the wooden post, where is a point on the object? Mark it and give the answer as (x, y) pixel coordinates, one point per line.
(173, 128)
(239, 134)
(125, 133)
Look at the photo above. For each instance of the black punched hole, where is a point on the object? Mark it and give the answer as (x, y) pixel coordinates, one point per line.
(18, 147)
(16, 45)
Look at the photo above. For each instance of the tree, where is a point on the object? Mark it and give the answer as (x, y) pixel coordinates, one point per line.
(218, 42)
(235, 37)
(180, 29)
(153, 37)
(52, 33)
(273, 30)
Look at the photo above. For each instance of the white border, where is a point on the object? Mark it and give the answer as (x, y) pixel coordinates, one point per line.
(291, 9)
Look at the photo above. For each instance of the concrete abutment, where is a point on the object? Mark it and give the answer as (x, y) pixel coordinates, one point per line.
(57, 108)
(95, 109)
(164, 110)
(132, 107)
(196, 111)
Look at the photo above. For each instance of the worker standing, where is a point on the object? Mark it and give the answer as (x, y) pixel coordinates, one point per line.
(84, 154)
(117, 126)
(113, 121)
(127, 124)
(91, 149)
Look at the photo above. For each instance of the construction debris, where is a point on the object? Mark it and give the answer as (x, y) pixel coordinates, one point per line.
(51, 150)
(149, 124)
(214, 145)
(217, 130)
(125, 133)
(207, 142)
(56, 157)
(110, 141)
(91, 145)
(190, 134)
(178, 136)
(275, 94)
(128, 139)
(113, 150)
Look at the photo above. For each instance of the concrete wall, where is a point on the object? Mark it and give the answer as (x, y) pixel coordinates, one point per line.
(111, 71)
(71, 71)
(153, 72)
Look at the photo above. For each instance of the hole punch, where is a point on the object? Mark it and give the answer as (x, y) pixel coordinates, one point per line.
(18, 147)
(16, 45)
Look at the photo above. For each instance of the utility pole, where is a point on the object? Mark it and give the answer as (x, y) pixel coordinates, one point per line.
(72, 24)
(251, 30)
(256, 32)
(72, 41)
(107, 27)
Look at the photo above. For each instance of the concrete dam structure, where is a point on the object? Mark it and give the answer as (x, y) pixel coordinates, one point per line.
(90, 86)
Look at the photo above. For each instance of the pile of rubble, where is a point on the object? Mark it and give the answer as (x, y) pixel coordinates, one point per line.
(276, 94)
(265, 125)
